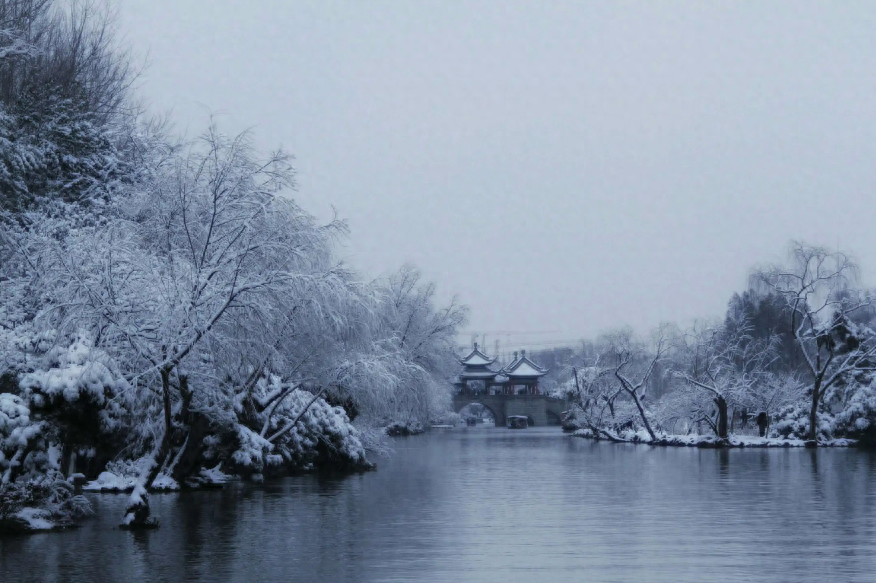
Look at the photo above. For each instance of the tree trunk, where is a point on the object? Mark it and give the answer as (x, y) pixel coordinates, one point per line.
(813, 411)
(721, 428)
(164, 449)
(642, 414)
(165, 394)
(198, 427)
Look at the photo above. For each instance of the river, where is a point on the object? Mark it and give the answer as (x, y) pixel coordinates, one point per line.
(486, 505)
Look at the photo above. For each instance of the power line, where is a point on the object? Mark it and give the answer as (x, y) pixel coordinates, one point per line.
(544, 343)
(570, 343)
(479, 332)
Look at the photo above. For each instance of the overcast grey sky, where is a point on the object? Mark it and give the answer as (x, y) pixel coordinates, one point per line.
(562, 166)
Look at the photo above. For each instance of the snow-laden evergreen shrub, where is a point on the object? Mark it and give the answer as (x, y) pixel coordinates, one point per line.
(792, 422)
(322, 434)
(74, 370)
(18, 435)
(54, 154)
(857, 419)
(33, 493)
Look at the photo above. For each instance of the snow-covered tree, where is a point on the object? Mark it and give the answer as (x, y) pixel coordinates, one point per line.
(423, 336)
(167, 302)
(725, 365)
(632, 363)
(817, 287)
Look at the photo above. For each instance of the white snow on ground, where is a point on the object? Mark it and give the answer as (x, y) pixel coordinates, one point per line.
(109, 482)
(35, 518)
(165, 482)
(214, 476)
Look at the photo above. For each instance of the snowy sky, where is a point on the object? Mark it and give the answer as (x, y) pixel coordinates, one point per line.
(564, 167)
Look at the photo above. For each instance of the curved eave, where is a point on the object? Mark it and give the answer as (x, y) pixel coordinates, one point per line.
(465, 362)
(477, 375)
(513, 376)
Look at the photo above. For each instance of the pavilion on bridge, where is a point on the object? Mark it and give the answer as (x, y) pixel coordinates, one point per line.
(519, 377)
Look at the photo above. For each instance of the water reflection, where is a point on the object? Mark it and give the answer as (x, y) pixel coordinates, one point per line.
(497, 505)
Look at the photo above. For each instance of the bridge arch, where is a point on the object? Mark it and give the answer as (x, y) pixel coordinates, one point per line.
(495, 404)
(484, 405)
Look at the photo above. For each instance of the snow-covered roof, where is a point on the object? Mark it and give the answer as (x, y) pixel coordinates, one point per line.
(477, 358)
(523, 367)
(526, 369)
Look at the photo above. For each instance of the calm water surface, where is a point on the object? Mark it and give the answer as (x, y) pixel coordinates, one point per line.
(498, 505)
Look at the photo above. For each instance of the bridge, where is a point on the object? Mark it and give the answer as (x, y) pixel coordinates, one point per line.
(540, 409)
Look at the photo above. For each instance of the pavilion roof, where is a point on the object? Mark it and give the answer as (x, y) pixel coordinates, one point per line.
(522, 366)
(477, 358)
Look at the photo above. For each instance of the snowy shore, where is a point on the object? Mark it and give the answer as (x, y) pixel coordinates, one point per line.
(709, 441)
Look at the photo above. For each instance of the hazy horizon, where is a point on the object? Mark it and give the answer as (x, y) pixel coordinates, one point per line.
(565, 167)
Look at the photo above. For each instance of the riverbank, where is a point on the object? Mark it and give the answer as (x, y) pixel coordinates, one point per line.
(708, 441)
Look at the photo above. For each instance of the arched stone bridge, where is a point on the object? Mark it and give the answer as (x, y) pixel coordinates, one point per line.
(540, 409)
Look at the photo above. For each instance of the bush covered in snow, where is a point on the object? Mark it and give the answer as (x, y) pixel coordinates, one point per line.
(857, 419)
(33, 492)
(301, 430)
(792, 422)
(42, 503)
